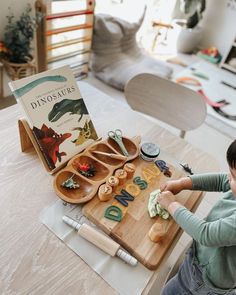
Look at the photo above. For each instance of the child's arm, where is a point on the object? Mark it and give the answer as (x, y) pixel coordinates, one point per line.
(176, 186)
(216, 233)
(211, 234)
(211, 182)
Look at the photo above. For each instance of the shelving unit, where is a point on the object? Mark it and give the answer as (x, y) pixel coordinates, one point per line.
(231, 54)
(64, 36)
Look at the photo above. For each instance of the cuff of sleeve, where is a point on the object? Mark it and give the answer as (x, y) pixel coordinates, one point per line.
(194, 179)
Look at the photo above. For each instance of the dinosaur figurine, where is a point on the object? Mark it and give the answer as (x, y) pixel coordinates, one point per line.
(68, 106)
(50, 141)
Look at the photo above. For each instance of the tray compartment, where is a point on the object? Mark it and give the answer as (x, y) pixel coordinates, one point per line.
(78, 195)
(129, 144)
(102, 147)
(101, 171)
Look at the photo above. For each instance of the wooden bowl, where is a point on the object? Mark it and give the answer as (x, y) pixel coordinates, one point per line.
(79, 195)
(102, 147)
(104, 167)
(101, 170)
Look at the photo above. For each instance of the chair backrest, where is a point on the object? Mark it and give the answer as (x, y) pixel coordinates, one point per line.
(166, 101)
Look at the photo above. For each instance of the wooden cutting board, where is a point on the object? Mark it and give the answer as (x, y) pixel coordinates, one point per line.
(132, 231)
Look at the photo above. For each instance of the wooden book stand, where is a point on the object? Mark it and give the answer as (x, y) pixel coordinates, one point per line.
(27, 141)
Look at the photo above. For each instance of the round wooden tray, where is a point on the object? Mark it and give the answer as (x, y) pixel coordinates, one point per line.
(104, 166)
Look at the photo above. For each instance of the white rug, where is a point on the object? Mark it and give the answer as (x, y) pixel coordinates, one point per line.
(216, 91)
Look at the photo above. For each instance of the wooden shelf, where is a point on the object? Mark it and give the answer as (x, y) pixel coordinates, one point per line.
(68, 42)
(68, 29)
(66, 55)
(228, 67)
(68, 14)
(62, 38)
(231, 54)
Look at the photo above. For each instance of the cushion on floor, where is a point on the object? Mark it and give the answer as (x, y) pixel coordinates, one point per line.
(116, 56)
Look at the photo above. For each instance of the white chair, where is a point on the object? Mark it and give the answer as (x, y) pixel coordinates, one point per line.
(166, 101)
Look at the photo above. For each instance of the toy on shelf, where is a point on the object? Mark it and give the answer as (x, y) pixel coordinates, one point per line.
(211, 54)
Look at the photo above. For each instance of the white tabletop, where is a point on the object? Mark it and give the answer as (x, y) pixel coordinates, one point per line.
(32, 259)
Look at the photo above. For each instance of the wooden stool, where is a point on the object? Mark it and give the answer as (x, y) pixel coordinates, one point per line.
(159, 26)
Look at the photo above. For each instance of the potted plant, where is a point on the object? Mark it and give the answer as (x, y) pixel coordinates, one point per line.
(190, 33)
(17, 39)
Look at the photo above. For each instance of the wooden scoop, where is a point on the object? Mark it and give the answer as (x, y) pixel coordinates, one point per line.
(114, 156)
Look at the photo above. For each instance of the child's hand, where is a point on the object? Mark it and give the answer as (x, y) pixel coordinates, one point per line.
(165, 199)
(173, 186)
(176, 186)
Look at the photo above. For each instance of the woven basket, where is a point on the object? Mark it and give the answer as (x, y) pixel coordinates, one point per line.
(17, 71)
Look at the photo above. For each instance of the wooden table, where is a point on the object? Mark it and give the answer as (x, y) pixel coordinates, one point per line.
(32, 259)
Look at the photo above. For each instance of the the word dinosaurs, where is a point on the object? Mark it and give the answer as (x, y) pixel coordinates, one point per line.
(130, 191)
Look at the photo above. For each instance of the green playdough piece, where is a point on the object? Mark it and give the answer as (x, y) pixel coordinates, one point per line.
(154, 208)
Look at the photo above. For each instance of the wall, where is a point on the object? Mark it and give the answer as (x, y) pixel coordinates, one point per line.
(17, 7)
(219, 23)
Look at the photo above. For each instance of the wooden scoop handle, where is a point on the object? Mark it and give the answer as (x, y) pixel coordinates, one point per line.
(114, 156)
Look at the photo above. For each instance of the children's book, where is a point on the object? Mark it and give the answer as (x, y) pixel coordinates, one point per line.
(56, 114)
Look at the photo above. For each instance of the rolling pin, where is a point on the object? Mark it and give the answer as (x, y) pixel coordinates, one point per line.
(100, 240)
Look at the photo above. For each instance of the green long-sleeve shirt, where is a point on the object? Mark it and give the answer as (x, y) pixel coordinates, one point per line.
(215, 236)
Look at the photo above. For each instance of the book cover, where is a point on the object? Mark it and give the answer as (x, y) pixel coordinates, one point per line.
(56, 113)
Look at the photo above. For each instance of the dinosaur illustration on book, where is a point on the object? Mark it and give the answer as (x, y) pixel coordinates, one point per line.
(68, 106)
(86, 132)
(49, 141)
(28, 87)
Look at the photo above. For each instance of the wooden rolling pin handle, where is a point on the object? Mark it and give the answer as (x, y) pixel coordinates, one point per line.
(100, 240)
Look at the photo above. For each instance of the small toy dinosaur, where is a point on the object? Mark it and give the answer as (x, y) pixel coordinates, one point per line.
(186, 168)
(87, 170)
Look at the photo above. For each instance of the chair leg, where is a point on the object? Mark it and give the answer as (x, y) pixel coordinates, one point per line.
(154, 43)
(182, 133)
